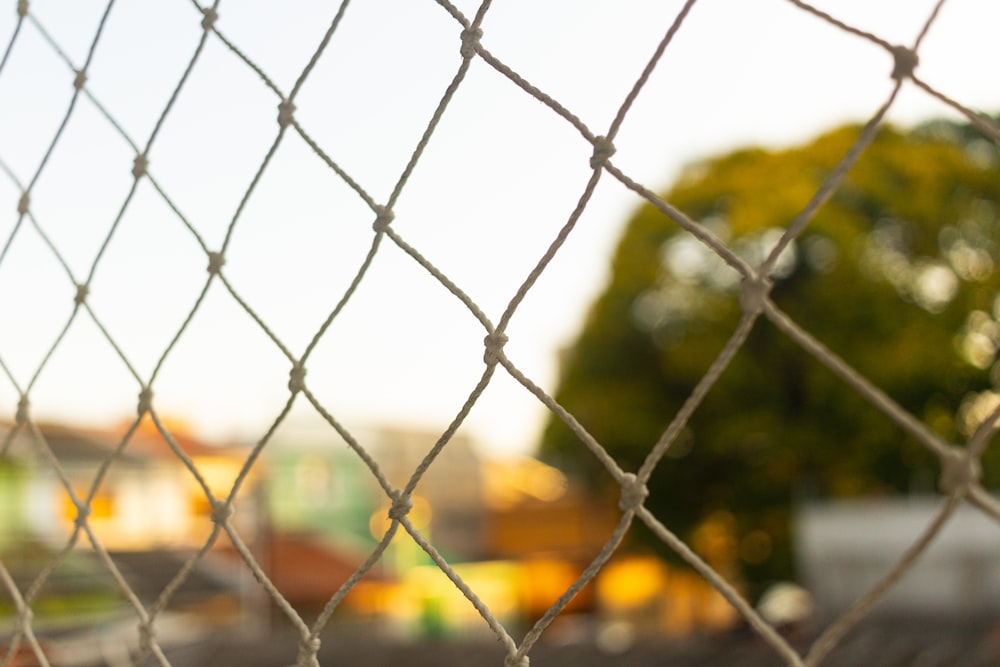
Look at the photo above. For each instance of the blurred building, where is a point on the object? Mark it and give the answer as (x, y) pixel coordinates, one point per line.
(327, 511)
(316, 485)
(147, 511)
(845, 548)
(516, 531)
(319, 485)
(146, 497)
(516, 528)
(318, 503)
(535, 510)
(450, 490)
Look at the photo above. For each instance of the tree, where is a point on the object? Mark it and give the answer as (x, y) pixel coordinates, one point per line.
(897, 273)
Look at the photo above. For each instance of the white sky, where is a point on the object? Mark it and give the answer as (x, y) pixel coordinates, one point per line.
(500, 177)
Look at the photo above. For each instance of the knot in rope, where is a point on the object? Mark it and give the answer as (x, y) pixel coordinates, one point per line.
(216, 260)
(633, 494)
(297, 378)
(221, 511)
(21, 418)
(753, 293)
(25, 616)
(470, 41)
(904, 62)
(80, 80)
(82, 514)
(22, 8)
(82, 291)
(285, 111)
(145, 401)
(494, 347)
(22, 204)
(383, 217)
(513, 660)
(146, 637)
(603, 149)
(401, 506)
(210, 17)
(140, 165)
(959, 470)
(308, 648)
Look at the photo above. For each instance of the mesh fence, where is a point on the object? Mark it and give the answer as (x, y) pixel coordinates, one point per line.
(959, 463)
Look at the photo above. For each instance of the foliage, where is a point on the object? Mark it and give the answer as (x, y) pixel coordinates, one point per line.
(897, 274)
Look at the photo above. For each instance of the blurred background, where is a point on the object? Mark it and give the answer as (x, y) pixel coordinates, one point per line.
(785, 481)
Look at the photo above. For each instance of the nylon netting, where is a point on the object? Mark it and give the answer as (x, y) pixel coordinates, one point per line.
(959, 463)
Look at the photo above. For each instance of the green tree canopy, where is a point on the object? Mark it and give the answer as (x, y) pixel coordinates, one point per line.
(897, 274)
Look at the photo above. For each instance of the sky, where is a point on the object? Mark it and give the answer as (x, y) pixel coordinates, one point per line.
(499, 178)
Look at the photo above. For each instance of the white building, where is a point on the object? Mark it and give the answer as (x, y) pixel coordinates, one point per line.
(845, 548)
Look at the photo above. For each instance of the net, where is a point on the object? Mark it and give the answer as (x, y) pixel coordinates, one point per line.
(222, 279)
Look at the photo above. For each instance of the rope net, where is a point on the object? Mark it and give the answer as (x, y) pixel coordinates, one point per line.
(24, 194)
